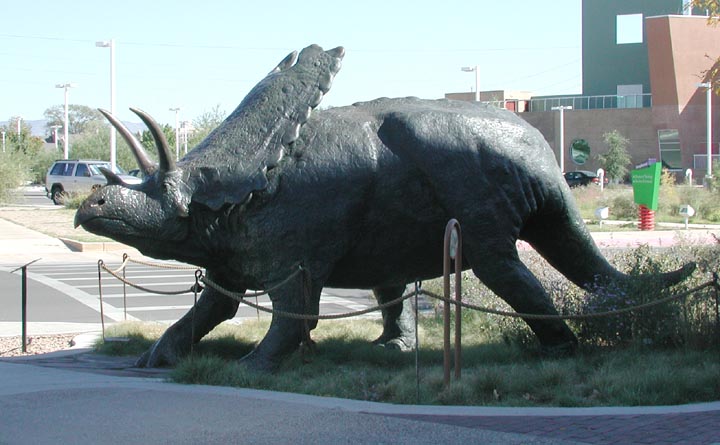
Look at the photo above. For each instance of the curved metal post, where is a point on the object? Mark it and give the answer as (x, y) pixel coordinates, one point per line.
(452, 251)
(125, 256)
(100, 295)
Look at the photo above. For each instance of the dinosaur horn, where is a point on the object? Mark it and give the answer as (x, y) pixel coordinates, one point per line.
(112, 178)
(285, 63)
(144, 162)
(167, 163)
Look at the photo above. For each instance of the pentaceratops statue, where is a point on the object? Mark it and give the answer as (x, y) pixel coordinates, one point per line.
(359, 196)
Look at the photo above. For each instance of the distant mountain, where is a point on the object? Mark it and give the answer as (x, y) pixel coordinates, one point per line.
(39, 127)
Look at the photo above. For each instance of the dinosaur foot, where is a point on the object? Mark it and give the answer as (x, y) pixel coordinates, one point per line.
(167, 351)
(399, 343)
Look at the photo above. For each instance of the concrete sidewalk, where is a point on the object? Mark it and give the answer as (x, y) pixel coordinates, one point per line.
(44, 404)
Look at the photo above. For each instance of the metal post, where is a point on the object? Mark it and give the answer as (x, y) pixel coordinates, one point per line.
(177, 133)
(23, 302)
(66, 144)
(418, 285)
(125, 255)
(451, 251)
(23, 309)
(708, 129)
(102, 314)
(562, 109)
(458, 308)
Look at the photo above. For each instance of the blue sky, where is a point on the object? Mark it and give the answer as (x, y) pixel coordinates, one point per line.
(198, 55)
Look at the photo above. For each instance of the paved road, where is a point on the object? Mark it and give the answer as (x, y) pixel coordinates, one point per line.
(32, 196)
(69, 293)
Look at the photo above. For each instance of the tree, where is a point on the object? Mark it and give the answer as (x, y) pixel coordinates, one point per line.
(146, 138)
(616, 159)
(204, 124)
(23, 142)
(80, 117)
(712, 7)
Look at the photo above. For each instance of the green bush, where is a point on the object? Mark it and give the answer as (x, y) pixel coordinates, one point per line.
(689, 321)
(13, 173)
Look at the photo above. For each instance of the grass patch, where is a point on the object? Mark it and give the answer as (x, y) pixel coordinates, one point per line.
(495, 373)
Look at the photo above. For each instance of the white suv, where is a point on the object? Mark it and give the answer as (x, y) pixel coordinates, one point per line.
(78, 176)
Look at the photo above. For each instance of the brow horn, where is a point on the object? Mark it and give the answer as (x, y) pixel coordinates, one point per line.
(167, 163)
(143, 160)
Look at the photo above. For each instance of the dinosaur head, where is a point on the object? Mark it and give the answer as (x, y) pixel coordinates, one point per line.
(223, 171)
(154, 210)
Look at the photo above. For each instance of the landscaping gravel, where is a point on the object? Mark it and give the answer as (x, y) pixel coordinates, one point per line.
(37, 344)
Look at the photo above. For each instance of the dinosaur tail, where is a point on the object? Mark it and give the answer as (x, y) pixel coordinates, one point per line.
(564, 241)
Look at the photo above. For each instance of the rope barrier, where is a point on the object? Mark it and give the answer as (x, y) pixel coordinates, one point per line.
(241, 297)
(575, 316)
(143, 288)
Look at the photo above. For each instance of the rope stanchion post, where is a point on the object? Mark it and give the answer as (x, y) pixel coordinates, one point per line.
(23, 302)
(125, 257)
(716, 285)
(452, 251)
(196, 288)
(101, 265)
(418, 285)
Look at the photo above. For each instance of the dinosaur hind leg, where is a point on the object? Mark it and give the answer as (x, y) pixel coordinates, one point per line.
(398, 319)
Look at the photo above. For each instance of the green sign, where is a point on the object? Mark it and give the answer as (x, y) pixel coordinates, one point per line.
(646, 185)
(580, 151)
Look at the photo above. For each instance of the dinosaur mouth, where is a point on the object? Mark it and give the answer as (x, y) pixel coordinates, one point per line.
(105, 226)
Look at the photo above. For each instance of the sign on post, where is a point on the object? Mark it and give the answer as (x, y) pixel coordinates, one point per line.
(646, 185)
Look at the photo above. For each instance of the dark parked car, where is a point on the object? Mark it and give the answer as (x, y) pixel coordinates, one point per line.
(582, 178)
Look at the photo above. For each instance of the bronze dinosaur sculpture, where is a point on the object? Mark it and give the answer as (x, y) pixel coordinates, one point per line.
(359, 196)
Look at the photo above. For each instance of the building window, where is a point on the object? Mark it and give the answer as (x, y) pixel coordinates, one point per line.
(629, 29)
(670, 154)
(630, 96)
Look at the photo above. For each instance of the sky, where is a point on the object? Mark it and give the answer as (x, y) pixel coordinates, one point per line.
(203, 55)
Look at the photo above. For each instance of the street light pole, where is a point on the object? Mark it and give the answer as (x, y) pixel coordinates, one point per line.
(470, 69)
(562, 133)
(185, 132)
(113, 133)
(19, 130)
(55, 135)
(66, 144)
(177, 139)
(708, 100)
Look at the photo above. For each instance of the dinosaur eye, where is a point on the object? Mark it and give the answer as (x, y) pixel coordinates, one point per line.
(101, 202)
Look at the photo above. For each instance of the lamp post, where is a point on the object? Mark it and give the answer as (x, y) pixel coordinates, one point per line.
(19, 132)
(113, 134)
(185, 125)
(708, 100)
(562, 109)
(55, 135)
(66, 144)
(476, 69)
(177, 139)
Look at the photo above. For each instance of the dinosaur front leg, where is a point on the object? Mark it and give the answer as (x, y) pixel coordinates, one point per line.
(210, 310)
(398, 320)
(286, 333)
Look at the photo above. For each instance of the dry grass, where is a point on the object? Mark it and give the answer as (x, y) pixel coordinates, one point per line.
(56, 222)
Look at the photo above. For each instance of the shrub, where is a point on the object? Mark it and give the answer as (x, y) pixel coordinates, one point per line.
(13, 173)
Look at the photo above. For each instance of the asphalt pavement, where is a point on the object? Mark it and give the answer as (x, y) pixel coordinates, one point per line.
(76, 397)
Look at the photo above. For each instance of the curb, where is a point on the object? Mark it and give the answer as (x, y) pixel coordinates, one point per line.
(99, 246)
